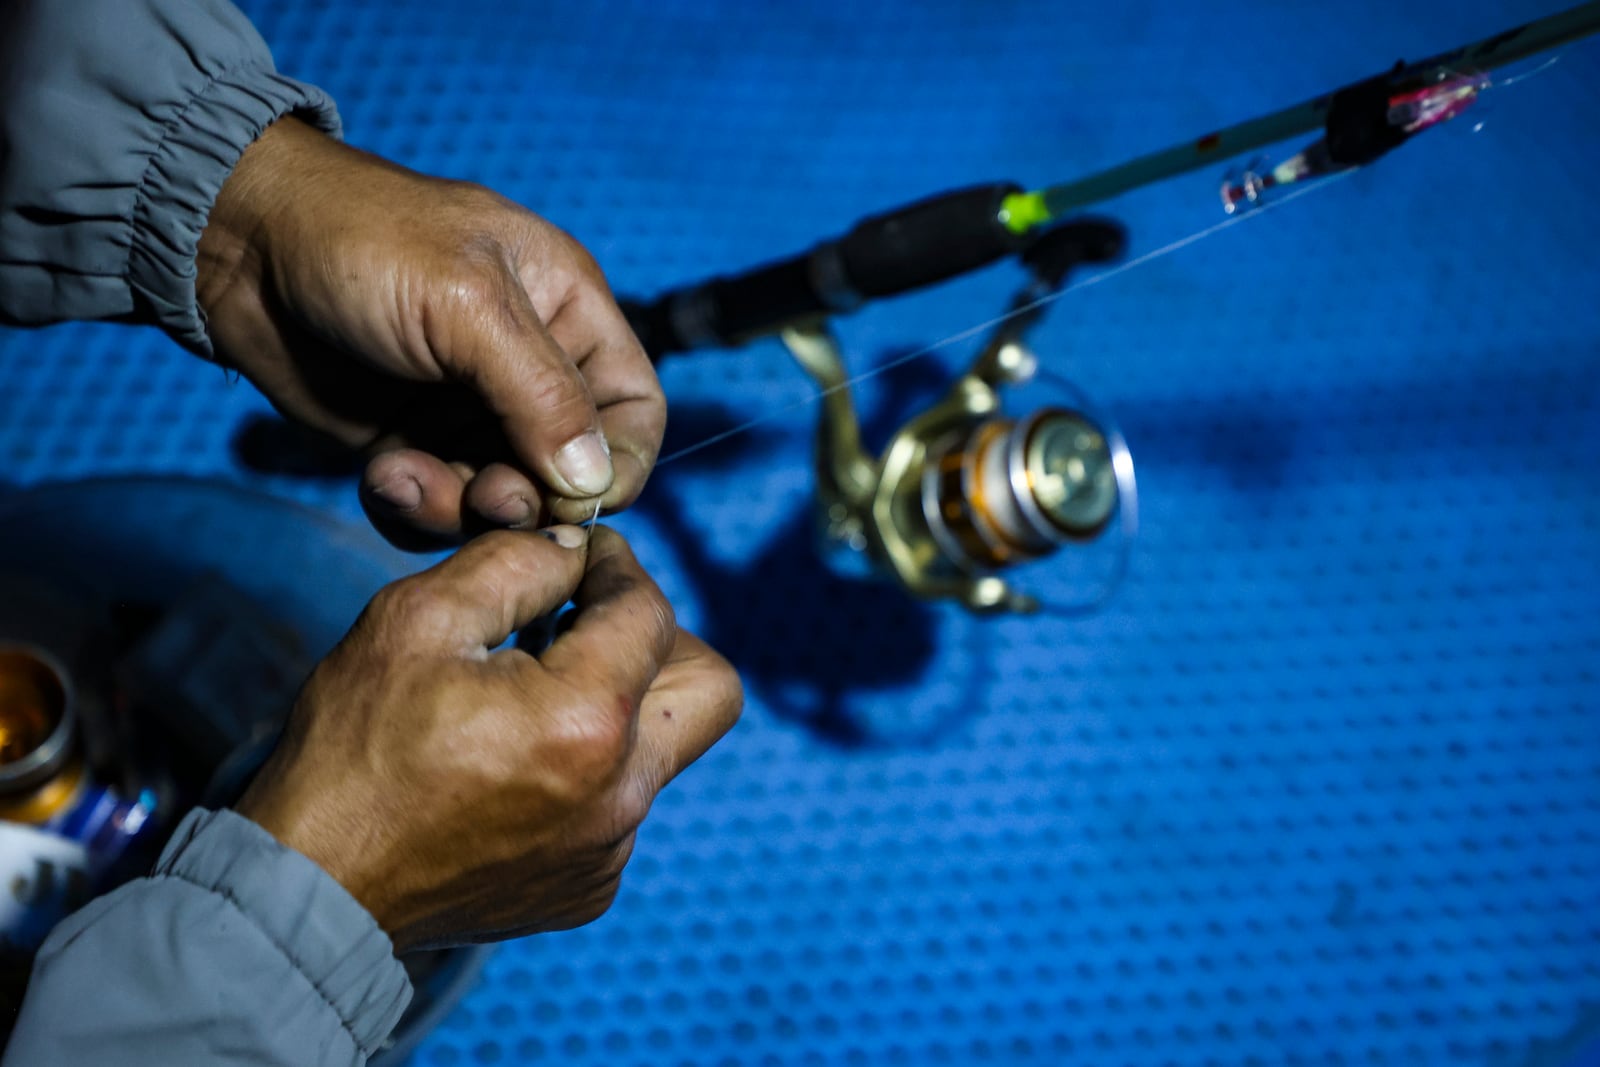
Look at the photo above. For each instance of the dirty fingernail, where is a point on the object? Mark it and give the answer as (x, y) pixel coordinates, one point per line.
(565, 536)
(402, 493)
(585, 462)
(512, 511)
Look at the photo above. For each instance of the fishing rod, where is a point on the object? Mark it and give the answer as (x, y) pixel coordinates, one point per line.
(967, 496)
(947, 235)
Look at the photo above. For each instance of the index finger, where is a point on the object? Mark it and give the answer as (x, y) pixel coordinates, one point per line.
(623, 630)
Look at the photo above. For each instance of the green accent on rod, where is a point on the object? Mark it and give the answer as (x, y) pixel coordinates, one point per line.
(1021, 212)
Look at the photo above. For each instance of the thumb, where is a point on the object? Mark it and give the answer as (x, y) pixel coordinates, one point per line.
(495, 342)
(492, 587)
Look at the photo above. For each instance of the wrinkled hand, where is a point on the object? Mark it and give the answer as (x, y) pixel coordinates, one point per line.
(468, 795)
(471, 346)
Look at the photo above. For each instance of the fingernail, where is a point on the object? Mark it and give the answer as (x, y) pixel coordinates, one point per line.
(512, 511)
(565, 536)
(402, 493)
(585, 462)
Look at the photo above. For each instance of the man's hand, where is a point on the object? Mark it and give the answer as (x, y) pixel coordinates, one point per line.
(468, 795)
(471, 346)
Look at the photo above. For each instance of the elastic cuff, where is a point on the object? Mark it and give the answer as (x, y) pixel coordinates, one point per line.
(185, 174)
(319, 927)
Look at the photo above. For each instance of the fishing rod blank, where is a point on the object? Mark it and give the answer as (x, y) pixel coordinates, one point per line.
(947, 235)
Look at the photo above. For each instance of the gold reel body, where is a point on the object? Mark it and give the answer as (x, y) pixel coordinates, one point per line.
(961, 491)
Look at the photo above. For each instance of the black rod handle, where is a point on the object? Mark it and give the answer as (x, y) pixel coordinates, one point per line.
(908, 248)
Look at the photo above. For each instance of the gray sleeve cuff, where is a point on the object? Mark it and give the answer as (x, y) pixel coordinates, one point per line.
(119, 122)
(185, 175)
(236, 950)
(312, 921)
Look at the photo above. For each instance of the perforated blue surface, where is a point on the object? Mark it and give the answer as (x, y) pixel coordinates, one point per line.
(1322, 786)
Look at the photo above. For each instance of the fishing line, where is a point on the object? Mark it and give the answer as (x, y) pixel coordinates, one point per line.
(989, 324)
(1525, 75)
(594, 520)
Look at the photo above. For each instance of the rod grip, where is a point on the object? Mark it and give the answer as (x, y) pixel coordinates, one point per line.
(929, 241)
(922, 243)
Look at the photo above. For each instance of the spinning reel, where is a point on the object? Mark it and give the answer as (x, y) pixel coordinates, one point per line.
(964, 490)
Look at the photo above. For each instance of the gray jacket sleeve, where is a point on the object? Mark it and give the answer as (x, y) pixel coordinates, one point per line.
(235, 951)
(119, 121)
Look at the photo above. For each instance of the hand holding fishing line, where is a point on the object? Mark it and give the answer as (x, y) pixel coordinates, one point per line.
(471, 345)
(472, 348)
(463, 794)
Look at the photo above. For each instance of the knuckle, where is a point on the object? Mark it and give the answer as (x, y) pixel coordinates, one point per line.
(586, 267)
(403, 606)
(591, 744)
(606, 739)
(573, 256)
(632, 804)
(476, 279)
(500, 554)
(489, 580)
(474, 209)
(472, 269)
(559, 393)
(663, 618)
(477, 198)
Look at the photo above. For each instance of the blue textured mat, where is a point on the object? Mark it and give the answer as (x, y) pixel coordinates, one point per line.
(1323, 786)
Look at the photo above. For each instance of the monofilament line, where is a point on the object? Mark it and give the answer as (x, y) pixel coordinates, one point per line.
(594, 520)
(983, 327)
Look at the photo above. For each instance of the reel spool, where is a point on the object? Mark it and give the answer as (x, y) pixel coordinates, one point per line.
(1018, 490)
